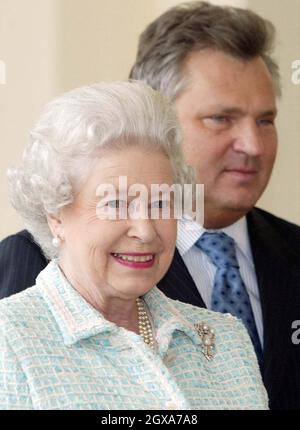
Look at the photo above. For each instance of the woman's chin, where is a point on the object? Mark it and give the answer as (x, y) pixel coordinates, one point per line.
(133, 288)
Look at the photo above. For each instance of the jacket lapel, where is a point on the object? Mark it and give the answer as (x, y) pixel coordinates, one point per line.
(277, 273)
(178, 284)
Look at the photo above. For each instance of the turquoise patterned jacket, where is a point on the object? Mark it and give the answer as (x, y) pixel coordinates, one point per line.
(58, 352)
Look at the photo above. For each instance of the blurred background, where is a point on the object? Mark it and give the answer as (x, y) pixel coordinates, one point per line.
(50, 46)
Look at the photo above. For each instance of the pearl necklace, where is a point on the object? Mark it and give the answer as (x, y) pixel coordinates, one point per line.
(145, 329)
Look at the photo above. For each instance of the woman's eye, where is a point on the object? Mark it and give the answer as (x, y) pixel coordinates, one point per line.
(161, 204)
(116, 204)
(217, 121)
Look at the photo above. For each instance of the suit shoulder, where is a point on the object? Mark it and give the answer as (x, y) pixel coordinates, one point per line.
(272, 221)
(23, 238)
(21, 260)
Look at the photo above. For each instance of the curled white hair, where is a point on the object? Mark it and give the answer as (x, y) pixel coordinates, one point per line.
(68, 135)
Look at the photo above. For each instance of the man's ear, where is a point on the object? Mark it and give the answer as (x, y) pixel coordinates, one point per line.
(56, 225)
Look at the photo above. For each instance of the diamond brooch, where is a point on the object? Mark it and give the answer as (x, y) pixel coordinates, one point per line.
(207, 337)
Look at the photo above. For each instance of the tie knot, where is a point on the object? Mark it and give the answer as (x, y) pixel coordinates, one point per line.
(220, 248)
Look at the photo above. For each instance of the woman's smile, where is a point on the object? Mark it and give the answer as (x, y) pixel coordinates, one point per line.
(135, 260)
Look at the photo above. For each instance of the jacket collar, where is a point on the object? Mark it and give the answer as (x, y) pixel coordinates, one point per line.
(78, 320)
(75, 317)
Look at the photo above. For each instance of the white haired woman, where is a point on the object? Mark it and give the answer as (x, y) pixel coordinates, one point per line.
(95, 332)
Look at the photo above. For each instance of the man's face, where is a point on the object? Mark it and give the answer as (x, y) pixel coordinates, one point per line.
(227, 114)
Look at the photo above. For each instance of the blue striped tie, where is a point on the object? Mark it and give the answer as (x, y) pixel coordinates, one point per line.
(229, 291)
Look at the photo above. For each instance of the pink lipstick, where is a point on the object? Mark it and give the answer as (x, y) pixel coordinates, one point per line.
(135, 260)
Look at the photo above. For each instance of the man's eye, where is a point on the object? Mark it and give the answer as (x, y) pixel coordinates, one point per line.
(219, 119)
(266, 121)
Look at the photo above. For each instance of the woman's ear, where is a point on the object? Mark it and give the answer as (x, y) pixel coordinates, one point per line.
(56, 225)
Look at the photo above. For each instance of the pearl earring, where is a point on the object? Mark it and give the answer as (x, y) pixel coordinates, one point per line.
(56, 241)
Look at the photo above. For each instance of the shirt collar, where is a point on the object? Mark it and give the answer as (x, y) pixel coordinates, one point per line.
(78, 320)
(189, 231)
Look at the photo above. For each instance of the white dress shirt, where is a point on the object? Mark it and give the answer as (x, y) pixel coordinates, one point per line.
(203, 270)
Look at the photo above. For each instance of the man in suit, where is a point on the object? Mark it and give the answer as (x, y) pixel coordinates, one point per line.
(215, 64)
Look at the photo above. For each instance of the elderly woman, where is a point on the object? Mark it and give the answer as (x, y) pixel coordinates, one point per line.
(95, 332)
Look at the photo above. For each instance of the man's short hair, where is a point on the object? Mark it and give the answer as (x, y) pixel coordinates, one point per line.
(166, 42)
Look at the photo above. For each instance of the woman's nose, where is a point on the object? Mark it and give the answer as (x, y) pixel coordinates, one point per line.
(142, 229)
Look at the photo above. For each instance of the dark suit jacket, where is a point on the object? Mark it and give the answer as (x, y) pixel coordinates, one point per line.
(276, 252)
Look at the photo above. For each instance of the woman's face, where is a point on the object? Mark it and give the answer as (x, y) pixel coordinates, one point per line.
(121, 258)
